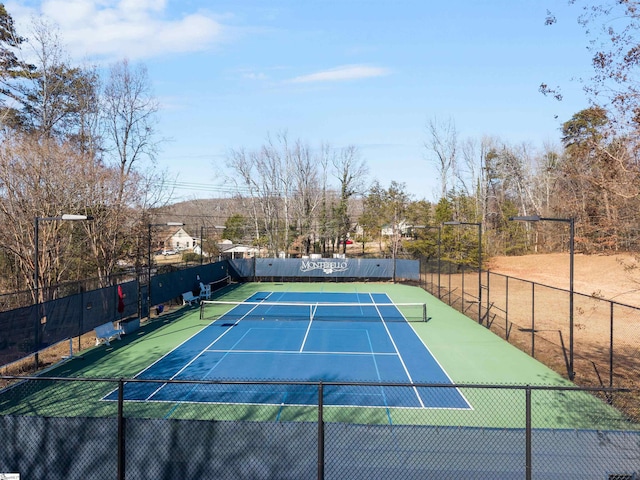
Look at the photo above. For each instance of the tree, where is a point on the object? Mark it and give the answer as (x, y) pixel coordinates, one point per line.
(49, 98)
(259, 177)
(443, 143)
(325, 229)
(423, 229)
(128, 116)
(13, 70)
(350, 170)
(386, 209)
(290, 200)
(307, 194)
(601, 176)
(373, 218)
(612, 27)
(281, 182)
(55, 113)
(235, 228)
(41, 178)
(396, 207)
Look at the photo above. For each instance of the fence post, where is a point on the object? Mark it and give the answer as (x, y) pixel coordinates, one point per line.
(528, 460)
(449, 283)
(462, 308)
(320, 433)
(121, 426)
(610, 344)
(488, 298)
(506, 308)
(533, 320)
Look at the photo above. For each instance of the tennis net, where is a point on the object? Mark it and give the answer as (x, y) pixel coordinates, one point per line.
(233, 312)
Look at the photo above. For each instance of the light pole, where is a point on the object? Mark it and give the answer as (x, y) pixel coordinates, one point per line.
(479, 225)
(150, 226)
(571, 222)
(36, 269)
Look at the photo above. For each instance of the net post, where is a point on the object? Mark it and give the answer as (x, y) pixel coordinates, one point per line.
(424, 312)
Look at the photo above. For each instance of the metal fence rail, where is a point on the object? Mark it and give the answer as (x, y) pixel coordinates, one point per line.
(535, 317)
(530, 432)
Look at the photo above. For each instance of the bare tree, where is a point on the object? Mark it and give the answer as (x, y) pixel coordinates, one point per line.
(128, 118)
(258, 177)
(129, 110)
(58, 114)
(351, 172)
(443, 144)
(326, 158)
(307, 191)
(40, 178)
(280, 180)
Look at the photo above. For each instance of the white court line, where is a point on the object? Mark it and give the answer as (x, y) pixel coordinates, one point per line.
(395, 347)
(199, 354)
(306, 334)
(435, 359)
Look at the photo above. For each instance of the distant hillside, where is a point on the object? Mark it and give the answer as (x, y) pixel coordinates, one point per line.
(215, 211)
(202, 212)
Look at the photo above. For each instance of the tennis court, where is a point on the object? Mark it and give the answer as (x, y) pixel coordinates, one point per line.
(227, 364)
(303, 336)
(402, 394)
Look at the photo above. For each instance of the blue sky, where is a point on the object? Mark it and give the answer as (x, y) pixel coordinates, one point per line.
(369, 73)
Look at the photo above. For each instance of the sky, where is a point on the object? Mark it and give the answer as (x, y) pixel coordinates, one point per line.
(367, 73)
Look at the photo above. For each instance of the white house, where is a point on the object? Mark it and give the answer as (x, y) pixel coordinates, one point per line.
(178, 239)
(229, 250)
(403, 228)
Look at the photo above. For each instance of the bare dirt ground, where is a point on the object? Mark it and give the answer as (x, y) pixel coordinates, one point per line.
(604, 332)
(613, 277)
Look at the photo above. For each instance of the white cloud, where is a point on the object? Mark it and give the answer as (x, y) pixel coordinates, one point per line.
(254, 76)
(136, 29)
(343, 73)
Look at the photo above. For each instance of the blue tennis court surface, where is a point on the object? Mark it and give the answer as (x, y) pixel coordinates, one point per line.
(291, 336)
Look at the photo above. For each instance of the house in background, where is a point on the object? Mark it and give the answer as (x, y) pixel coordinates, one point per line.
(402, 228)
(176, 238)
(180, 240)
(231, 250)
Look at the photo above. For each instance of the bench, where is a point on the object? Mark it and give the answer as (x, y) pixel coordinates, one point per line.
(189, 298)
(107, 332)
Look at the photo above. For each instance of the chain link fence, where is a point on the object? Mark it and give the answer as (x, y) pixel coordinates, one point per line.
(61, 428)
(597, 343)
